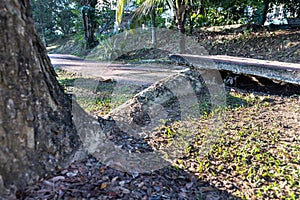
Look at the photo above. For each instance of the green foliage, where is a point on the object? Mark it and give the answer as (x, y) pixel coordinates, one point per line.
(53, 18)
(215, 13)
(292, 6)
(218, 13)
(60, 18)
(105, 19)
(110, 49)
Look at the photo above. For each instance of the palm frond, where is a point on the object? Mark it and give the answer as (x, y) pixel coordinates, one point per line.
(149, 5)
(120, 9)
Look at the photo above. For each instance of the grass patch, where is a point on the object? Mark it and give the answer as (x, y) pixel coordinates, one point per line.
(96, 97)
(253, 151)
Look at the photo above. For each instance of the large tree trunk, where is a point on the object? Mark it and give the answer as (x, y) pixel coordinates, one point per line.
(36, 128)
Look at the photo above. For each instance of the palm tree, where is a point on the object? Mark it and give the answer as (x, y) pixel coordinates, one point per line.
(179, 7)
(148, 7)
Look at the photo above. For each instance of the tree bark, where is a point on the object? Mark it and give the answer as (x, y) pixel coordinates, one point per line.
(36, 128)
(180, 9)
(265, 11)
(89, 22)
(153, 28)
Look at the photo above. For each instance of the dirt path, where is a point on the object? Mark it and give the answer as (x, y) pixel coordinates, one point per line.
(135, 74)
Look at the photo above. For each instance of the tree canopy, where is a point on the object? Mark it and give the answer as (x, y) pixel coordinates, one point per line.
(93, 20)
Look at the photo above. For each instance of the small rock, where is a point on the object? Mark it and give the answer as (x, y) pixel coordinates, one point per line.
(182, 195)
(122, 183)
(103, 186)
(149, 191)
(141, 184)
(145, 198)
(135, 174)
(64, 172)
(114, 179)
(144, 188)
(156, 188)
(72, 174)
(73, 166)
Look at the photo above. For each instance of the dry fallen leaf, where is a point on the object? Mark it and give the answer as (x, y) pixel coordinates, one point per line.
(102, 169)
(103, 185)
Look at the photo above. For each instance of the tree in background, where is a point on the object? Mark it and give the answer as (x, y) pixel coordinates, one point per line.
(179, 7)
(105, 18)
(64, 17)
(217, 13)
(150, 8)
(195, 9)
(90, 24)
(91, 19)
(53, 18)
(266, 7)
(292, 6)
(44, 18)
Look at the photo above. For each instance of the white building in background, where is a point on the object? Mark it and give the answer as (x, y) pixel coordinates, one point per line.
(277, 15)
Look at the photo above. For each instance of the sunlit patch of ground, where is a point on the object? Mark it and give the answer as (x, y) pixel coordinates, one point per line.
(253, 154)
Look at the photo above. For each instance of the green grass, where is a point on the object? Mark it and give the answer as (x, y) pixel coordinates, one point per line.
(96, 99)
(251, 153)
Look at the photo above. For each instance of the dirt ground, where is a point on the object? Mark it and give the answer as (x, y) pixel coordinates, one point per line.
(252, 154)
(255, 155)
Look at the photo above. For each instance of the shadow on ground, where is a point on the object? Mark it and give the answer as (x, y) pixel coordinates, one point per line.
(90, 179)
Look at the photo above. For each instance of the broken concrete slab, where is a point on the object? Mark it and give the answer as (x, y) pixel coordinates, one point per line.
(278, 71)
